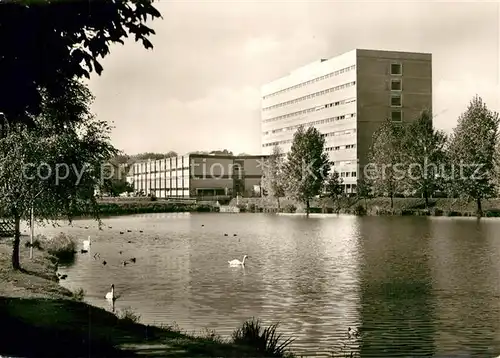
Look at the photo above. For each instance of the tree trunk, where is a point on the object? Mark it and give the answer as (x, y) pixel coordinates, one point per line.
(479, 208)
(392, 201)
(17, 239)
(426, 197)
(308, 207)
(278, 199)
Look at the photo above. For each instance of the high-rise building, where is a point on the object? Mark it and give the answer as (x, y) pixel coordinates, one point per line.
(347, 98)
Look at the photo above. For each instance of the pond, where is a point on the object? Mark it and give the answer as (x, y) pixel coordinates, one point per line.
(415, 286)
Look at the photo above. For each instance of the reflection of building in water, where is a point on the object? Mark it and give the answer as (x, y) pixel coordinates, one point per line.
(397, 303)
(325, 286)
(466, 274)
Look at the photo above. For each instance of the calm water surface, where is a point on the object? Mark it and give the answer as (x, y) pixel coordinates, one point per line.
(415, 286)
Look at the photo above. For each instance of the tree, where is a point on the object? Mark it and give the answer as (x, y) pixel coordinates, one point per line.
(53, 172)
(307, 166)
(46, 44)
(423, 155)
(334, 189)
(154, 156)
(221, 152)
(471, 152)
(114, 187)
(273, 179)
(363, 190)
(385, 170)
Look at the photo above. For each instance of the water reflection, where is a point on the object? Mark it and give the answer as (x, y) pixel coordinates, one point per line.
(417, 286)
(466, 272)
(397, 302)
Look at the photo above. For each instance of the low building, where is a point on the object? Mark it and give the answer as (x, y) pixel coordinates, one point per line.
(199, 176)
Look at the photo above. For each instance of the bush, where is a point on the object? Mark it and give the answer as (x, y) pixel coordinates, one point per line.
(290, 208)
(127, 315)
(492, 213)
(437, 212)
(359, 210)
(265, 341)
(251, 207)
(61, 246)
(79, 294)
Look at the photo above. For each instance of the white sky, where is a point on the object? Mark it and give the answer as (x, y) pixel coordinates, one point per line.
(199, 89)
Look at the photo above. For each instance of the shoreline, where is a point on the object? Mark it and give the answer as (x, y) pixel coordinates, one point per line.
(57, 323)
(351, 206)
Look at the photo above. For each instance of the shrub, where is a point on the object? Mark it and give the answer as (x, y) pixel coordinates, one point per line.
(251, 207)
(61, 246)
(437, 212)
(127, 315)
(359, 210)
(265, 341)
(78, 295)
(211, 335)
(492, 213)
(290, 208)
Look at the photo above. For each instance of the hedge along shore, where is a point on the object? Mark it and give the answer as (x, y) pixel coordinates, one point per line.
(374, 206)
(44, 319)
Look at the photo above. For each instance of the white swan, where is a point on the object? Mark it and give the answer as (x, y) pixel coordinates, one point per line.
(86, 244)
(111, 294)
(237, 262)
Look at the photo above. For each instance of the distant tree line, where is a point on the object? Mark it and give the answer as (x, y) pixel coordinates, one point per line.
(406, 159)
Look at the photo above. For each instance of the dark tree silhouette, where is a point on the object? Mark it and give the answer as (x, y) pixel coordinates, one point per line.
(45, 44)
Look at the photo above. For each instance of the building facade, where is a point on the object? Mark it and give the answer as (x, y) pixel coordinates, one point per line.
(199, 176)
(346, 98)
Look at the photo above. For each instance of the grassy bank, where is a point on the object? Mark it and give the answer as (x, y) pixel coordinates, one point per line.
(45, 320)
(375, 206)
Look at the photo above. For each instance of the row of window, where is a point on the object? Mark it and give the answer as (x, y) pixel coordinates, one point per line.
(329, 75)
(339, 133)
(309, 110)
(311, 124)
(331, 134)
(312, 95)
(340, 147)
(155, 166)
(160, 175)
(348, 174)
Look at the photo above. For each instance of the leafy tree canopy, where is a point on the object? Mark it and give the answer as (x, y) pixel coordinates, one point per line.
(307, 165)
(471, 151)
(45, 44)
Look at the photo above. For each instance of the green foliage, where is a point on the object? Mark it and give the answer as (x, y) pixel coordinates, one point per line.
(472, 154)
(386, 169)
(265, 341)
(273, 179)
(424, 156)
(47, 43)
(334, 189)
(307, 165)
